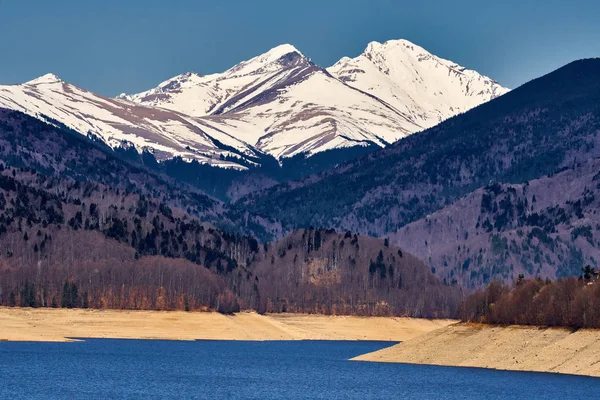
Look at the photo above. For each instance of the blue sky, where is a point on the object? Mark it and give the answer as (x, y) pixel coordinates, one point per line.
(128, 46)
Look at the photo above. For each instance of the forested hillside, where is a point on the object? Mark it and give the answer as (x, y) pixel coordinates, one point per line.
(313, 270)
(231, 184)
(547, 227)
(56, 230)
(121, 236)
(59, 152)
(568, 302)
(507, 189)
(546, 124)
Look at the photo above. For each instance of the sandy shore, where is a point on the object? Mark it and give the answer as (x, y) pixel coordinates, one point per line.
(57, 325)
(508, 348)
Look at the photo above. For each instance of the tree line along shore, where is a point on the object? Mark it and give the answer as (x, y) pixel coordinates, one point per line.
(569, 302)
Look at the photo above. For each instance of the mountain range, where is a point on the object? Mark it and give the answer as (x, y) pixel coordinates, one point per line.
(83, 225)
(385, 184)
(278, 105)
(478, 196)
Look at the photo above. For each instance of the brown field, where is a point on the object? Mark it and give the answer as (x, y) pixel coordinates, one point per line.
(516, 348)
(58, 325)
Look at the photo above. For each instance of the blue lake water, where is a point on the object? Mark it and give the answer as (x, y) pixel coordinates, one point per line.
(136, 369)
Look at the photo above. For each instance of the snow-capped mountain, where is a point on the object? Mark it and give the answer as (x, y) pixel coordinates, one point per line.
(200, 95)
(283, 104)
(279, 103)
(415, 82)
(164, 132)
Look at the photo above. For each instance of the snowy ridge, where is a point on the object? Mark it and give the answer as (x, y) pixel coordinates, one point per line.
(165, 133)
(406, 76)
(279, 103)
(201, 95)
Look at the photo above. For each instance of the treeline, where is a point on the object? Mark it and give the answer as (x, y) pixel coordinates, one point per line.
(153, 283)
(327, 272)
(65, 242)
(58, 152)
(35, 207)
(310, 271)
(571, 302)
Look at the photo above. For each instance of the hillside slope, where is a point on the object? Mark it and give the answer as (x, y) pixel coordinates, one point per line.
(124, 250)
(82, 227)
(551, 122)
(547, 228)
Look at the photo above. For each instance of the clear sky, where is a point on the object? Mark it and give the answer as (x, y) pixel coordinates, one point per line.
(111, 46)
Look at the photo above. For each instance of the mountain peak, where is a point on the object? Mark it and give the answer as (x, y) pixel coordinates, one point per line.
(376, 47)
(281, 103)
(281, 50)
(267, 59)
(44, 79)
(372, 46)
(274, 54)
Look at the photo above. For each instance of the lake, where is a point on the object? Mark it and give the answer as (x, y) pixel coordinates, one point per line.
(134, 369)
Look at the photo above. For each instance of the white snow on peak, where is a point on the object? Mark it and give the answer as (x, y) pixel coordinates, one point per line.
(372, 46)
(280, 51)
(393, 43)
(167, 133)
(202, 95)
(278, 103)
(264, 60)
(396, 46)
(415, 82)
(44, 79)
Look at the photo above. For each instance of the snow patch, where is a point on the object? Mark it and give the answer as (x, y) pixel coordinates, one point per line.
(44, 79)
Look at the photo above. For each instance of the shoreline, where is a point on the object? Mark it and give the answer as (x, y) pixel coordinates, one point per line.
(508, 348)
(64, 325)
(428, 342)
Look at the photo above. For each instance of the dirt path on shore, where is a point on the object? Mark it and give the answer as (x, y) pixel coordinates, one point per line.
(57, 325)
(509, 348)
